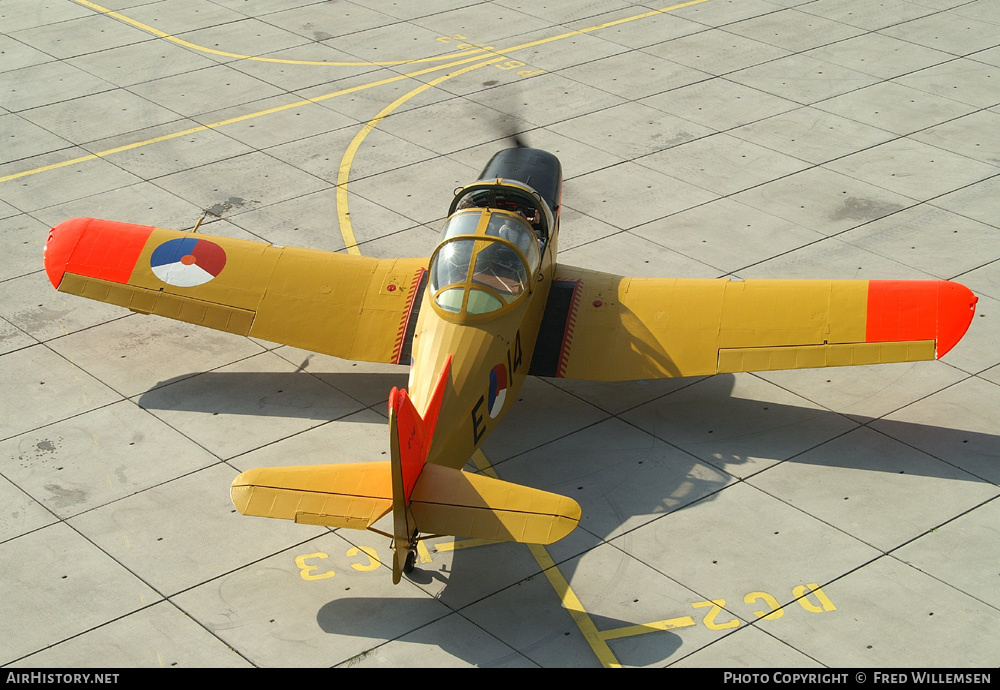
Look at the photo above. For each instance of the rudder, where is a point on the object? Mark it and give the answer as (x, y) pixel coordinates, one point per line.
(410, 436)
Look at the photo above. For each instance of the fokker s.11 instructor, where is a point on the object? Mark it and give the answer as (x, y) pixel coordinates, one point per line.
(489, 307)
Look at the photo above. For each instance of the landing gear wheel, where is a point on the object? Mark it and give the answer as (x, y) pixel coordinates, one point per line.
(411, 561)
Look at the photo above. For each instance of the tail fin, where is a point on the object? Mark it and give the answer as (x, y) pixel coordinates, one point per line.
(410, 437)
(423, 498)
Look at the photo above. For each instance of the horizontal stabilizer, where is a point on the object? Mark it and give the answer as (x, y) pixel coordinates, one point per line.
(449, 501)
(351, 495)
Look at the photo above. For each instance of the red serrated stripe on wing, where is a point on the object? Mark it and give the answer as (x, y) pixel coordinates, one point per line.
(567, 340)
(411, 298)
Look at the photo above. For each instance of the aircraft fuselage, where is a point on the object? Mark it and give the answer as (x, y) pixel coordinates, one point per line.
(492, 350)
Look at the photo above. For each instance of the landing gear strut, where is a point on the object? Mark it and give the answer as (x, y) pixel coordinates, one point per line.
(411, 554)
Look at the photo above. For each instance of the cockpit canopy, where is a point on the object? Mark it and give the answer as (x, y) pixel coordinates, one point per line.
(507, 195)
(484, 262)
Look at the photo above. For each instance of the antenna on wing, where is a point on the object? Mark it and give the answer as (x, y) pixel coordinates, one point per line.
(198, 224)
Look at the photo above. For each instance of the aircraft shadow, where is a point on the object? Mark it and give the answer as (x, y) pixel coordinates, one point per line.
(372, 616)
(271, 394)
(484, 584)
(298, 395)
(475, 585)
(762, 430)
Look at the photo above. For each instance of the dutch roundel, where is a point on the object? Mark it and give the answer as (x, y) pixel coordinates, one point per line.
(187, 261)
(498, 389)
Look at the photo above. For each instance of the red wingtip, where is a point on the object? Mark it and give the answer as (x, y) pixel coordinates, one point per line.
(919, 310)
(104, 249)
(59, 247)
(956, 307)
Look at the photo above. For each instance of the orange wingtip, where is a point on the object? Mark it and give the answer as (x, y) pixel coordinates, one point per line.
(937, 310)
(95, 248)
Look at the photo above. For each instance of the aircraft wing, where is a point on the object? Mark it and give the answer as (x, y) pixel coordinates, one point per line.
(603, 327)
(352, 307)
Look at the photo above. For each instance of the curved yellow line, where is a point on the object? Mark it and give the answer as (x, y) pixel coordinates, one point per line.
(595, 638)
(232, 120)
(344, 173)
(187, 44)
(570, 601)
(101, 154)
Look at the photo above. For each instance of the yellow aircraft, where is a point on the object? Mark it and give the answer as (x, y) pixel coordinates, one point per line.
(489, 307)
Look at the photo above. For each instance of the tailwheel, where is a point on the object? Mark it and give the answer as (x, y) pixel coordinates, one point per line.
(411, 554)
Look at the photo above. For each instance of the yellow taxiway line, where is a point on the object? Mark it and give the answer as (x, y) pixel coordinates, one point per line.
(233, 120)
(238, 56)
(570, 601)
(567, 596)
(297, 104)
(344, 173)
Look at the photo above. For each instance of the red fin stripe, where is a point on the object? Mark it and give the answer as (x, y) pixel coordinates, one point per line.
(414, 433)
